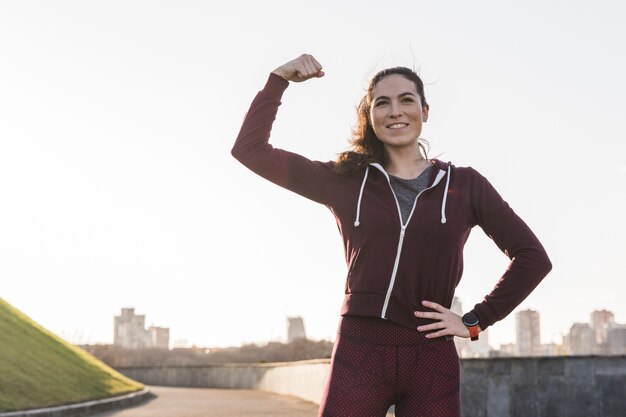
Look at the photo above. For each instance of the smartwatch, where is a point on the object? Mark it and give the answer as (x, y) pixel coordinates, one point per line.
(471, 321)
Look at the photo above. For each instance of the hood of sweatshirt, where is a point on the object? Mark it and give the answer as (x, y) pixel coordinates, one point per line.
(443, 170)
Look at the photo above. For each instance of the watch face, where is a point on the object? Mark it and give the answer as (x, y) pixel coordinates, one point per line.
(470, 319)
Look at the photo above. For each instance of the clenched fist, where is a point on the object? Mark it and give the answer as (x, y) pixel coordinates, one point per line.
(300, 69)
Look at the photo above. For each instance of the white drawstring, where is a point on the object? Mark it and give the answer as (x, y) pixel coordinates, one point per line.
(443, 202)
(358, 205)
(445, 197)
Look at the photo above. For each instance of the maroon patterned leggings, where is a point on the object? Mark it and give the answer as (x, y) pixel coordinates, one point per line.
(377, 363)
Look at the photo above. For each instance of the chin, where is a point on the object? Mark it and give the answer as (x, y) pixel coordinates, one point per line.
(399, 143)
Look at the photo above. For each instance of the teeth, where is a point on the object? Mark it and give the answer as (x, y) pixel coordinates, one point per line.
(397, 125)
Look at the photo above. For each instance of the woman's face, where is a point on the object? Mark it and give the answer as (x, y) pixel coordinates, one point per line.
(396, 111)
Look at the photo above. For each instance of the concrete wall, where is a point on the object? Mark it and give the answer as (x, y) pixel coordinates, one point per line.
(304, 379)
(574, 386)
(577, 386)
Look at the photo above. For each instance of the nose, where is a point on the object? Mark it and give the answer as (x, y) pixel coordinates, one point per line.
(394, 109)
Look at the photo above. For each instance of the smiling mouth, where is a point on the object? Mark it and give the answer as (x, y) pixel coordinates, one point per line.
(397, 125)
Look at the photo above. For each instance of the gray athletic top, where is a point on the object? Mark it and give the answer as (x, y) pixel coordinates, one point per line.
(407, 190)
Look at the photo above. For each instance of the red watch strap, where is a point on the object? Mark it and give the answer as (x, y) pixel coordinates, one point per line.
(473, 332)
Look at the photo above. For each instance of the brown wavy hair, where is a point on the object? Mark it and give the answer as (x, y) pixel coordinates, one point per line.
(365, 147)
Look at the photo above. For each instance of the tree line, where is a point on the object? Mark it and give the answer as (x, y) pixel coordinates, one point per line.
(300, 349)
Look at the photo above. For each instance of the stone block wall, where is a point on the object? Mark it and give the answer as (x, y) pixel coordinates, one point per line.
(576, 386)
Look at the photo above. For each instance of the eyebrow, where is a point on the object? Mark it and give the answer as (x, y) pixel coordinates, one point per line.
(408, 93)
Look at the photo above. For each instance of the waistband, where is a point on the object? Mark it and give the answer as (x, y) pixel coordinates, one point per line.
(378, 331)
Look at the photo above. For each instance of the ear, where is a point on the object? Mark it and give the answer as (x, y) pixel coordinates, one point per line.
(425, 113)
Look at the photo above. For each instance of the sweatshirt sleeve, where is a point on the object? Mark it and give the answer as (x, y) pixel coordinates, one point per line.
(286, 169)
(529, 261)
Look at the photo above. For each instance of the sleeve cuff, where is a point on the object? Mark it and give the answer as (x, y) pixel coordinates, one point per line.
(485, 320)
(275, 86)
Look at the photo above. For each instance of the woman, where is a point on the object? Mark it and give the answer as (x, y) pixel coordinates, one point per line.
(404, 220)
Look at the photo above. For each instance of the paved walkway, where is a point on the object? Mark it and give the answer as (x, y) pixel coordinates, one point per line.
(205, 402)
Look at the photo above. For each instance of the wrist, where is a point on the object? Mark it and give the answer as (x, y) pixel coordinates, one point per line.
(280, 73)
(471, 321)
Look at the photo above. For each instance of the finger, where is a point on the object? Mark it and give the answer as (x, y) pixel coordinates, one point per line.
(434, 306)
(316, 63)
(311, 70)
(301, 69)
(428, 315)
(440, 333)
(315, 66)
(433, 326)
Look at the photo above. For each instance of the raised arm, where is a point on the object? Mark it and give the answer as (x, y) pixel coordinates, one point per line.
(252, 148)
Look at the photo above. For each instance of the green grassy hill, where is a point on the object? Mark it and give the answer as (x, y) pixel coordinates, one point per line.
(39, 369)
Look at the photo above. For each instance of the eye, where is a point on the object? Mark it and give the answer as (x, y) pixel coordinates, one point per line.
(408, 100)
(380, 103)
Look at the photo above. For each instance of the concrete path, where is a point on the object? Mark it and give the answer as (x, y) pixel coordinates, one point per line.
(209, 402)
(204, 402)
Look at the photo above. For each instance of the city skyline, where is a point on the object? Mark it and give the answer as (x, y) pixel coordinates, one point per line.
(130, 331)
(118, 187)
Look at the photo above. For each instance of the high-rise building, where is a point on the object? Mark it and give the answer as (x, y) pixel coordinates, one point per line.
(295, 329)
(160, 337)
(600, 322)
(528, 333)
(616, 339)
(581, 339)
(129, 331)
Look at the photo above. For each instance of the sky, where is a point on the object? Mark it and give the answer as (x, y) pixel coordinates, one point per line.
(117, 187)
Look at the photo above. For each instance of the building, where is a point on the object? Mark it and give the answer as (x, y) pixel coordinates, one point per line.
(508, 349)
(616, 339)
(603, 336)
(601, 320)
(181, 344)
(553, 349)
(476, 348)
(295, 329)
(129, 332)
(528, 333)
(160, 337)
(581, 340)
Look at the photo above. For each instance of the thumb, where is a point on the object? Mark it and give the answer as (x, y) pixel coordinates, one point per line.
(320, 74)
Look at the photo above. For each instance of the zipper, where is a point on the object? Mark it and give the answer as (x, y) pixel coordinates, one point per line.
(403, 227)
(393, 273)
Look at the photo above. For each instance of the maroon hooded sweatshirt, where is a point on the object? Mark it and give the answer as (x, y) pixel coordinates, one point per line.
(393, 266)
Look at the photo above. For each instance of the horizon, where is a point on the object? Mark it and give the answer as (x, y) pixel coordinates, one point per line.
(283, 339)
